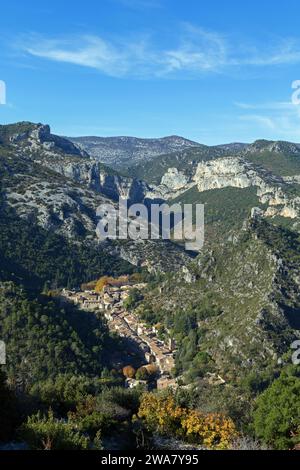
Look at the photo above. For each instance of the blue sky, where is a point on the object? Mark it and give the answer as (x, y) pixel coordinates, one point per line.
(215, 72)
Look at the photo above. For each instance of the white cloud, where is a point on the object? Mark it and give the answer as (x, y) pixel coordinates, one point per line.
(286, 51)
(197, 51)
(92, 52)
(194, 51)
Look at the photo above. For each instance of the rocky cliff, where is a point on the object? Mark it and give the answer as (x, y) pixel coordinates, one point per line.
(279, 194)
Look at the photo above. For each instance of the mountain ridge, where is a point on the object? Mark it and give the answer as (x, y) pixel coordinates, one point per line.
(120, 151)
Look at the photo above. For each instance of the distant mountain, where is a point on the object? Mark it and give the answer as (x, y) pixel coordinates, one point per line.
(233, 147)
(119, 152)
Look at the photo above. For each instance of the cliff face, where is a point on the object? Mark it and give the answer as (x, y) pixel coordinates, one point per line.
(237, 172)
(97, 177)
(63, 157)
(273, 190)
(33, 137)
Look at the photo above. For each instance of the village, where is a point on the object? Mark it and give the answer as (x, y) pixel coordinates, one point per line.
(110, 303)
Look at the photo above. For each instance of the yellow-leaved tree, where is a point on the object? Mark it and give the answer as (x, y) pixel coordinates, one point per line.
(103, 281)
(161, 414)
(213, 430)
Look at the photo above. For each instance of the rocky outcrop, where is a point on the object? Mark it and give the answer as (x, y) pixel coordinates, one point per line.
(155, 255)
(174, 179)
(94, 175)
(240, 173)
(39, 135)
(236, 172)
(46, 182)
(65, 158)
(173, 183)
(58, 206)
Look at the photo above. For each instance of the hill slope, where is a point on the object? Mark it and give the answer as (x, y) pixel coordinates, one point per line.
(238, 308)
(120, 152)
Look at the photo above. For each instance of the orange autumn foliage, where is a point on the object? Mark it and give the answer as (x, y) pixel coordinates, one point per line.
(129, 372)
(111, 281)
(102, 282)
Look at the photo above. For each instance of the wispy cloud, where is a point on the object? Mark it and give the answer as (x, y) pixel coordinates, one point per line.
(263, 121)
(280, 118)
(197, 51)
(88, 51)
(194, 51)
(285, 51)
(276, 105)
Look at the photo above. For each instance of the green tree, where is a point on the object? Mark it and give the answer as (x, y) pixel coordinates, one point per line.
(49, 433)
(142, 374)
(8, 413)
(277, 412)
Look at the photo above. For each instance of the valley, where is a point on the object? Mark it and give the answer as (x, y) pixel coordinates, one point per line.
(143, 339)
(207, 333)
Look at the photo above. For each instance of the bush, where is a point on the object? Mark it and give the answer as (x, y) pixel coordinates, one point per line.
(161, 414)
(277, 412)
(49, 433)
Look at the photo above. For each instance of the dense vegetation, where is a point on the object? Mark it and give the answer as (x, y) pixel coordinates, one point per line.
(236, 289)
(44, 337)
(281, 163)
(34, 257)
(225, 208)
(277, 413)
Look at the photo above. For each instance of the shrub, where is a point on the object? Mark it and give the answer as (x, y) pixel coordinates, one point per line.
(213, 430)
(161, 414)
(49, 433)
(277, 412)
